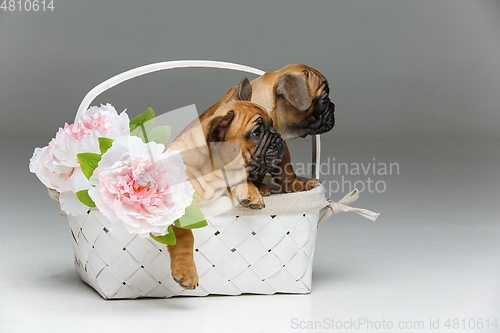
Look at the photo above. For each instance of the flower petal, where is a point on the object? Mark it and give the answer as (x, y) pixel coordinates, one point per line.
(71, 204)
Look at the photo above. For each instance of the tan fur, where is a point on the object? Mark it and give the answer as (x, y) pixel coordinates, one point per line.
(181, 259)
(208, 184)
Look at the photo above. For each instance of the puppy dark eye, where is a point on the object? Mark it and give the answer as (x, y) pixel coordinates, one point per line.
(257, 131)
(324, 99)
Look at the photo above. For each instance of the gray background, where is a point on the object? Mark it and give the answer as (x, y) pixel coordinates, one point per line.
(415, 83)
(397, 69)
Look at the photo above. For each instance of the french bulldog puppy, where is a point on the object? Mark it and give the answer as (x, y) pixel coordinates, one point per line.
(224, 153)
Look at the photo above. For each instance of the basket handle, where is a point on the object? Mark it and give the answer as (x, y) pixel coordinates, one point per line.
(115, 80)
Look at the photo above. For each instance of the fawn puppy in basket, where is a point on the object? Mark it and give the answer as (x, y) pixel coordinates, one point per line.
(297, 99)
(224, 153)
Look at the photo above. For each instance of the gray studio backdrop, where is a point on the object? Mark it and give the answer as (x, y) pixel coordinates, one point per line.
(415, 82)
(397, 69)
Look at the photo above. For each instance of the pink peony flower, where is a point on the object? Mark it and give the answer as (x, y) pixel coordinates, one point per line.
(82, 137)
(141, 186)
(57, 166)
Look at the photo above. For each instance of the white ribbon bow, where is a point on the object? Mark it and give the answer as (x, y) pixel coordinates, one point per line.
(342, 206)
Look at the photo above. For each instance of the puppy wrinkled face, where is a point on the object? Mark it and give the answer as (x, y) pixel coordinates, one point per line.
(269, 151)
(247, 130)
(303, 105)
(322, 117)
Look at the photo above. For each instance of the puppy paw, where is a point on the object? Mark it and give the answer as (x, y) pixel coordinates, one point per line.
(248, 195)
(263, 189)
(184, 273)
(306, 185)
(310, 183)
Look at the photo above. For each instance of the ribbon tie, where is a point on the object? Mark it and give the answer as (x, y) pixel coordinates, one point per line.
(343, 206)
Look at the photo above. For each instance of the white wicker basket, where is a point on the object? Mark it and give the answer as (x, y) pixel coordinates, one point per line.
(240, 251)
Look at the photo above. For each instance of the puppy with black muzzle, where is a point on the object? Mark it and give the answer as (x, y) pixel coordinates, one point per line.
(223, 154)
(297, 99)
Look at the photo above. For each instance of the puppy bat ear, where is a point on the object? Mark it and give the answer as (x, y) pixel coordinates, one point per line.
(295, 89)
(218, 127)
(243, 92)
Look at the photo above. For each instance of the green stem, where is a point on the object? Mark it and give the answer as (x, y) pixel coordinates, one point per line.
(144, 133)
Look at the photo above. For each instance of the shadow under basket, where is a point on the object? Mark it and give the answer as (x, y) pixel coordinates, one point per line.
(264, 251)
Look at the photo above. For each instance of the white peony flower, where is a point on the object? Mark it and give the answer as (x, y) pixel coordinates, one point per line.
(57, 166)
(141, 186)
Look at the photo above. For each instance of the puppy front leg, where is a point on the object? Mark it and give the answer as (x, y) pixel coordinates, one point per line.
(181, 259)
(288, 181)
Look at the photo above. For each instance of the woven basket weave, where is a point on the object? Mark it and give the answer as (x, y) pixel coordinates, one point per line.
(240, 251)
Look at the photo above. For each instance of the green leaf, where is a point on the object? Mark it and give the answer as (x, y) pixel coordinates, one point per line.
(146, 116)
(104, 144)
(138, 133)
(196, 196)
(141, 130)
(84, 197)
(160, 134)
(168, 239)
(192, 219)
(88, 163)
